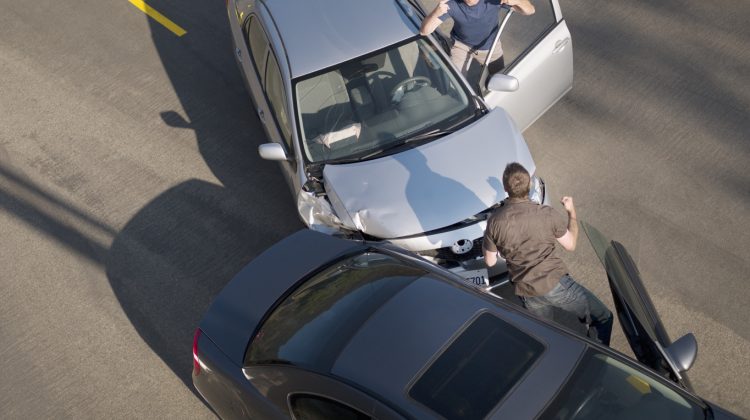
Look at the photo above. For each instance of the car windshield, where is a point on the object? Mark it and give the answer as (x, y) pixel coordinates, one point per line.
(603, 387)
(311, 326)
(368, 106)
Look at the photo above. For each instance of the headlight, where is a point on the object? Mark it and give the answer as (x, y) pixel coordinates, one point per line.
(536, 192)
(317, 213)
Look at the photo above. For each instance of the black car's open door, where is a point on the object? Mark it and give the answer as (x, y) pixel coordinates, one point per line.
(637, 314)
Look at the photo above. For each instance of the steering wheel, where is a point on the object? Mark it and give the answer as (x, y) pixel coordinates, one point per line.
(379, 74)
(377, 77)
(408, 85)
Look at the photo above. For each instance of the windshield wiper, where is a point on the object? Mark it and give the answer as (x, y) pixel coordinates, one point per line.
(388, 148)
(429, 134)
(438, 132)
(382, 151)
(341, 160)
(416, 138)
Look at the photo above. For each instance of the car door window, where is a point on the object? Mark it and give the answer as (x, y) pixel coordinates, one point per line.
(521, 33)
(258, 46)
(314, 407)
(277, 96)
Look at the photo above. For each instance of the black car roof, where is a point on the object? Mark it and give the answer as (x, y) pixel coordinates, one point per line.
(401, 340)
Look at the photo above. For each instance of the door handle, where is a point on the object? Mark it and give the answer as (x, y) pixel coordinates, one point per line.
(262, 116)
(560, 45)
(238, 52)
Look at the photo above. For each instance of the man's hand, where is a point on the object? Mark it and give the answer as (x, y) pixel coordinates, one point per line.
(490, 258)
(441, 9)
(569, 240)
(567, 202)
(523, 7)
(432, 21)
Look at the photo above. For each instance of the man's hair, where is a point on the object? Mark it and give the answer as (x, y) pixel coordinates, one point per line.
(516, 180)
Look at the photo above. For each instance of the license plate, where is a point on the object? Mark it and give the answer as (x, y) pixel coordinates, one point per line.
(475, 277)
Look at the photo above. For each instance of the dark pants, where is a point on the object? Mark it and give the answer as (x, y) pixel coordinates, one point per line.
(572, 297)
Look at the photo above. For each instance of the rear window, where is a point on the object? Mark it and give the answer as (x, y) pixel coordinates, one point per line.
(477, 370)
(313, 325)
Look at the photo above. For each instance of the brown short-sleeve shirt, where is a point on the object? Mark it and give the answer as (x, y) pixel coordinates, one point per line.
(525, 233)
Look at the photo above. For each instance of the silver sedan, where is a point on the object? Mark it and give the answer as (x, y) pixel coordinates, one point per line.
(378, 136)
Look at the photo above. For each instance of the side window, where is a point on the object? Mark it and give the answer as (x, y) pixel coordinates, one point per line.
(522, 32)
(313, 407)
(277, 97)
(258, 46)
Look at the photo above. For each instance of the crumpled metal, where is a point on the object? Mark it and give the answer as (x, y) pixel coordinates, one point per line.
(318, 214)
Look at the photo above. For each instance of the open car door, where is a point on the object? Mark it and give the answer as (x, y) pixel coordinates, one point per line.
(637, 314)
(538, 54)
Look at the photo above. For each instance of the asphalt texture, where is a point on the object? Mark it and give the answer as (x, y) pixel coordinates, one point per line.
(131, 190)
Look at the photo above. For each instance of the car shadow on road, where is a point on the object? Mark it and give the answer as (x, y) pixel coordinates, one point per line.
(171, 259)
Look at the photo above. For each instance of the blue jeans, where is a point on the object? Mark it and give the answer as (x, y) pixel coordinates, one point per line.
(572, 297)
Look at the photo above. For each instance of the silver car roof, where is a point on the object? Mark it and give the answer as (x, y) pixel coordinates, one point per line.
(318, 34)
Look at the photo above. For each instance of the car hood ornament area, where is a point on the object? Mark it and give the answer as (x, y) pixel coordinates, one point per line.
(462, 246)
(432, 186)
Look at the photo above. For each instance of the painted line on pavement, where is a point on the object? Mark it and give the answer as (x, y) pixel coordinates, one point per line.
(145, 8)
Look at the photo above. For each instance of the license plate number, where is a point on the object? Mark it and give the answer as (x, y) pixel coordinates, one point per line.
(475, 277)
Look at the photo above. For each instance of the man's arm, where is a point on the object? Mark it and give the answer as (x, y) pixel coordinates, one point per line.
(432, 21)
(569, 240)
(523, 7)
(490, 258)
(488, 244)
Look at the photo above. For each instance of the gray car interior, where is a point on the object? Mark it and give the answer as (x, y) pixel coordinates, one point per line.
(389, 95)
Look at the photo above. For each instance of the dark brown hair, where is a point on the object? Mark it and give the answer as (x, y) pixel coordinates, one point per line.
(516, 180)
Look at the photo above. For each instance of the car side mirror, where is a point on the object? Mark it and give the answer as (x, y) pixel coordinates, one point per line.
(683, 352)
(272, 151)
(502, 83)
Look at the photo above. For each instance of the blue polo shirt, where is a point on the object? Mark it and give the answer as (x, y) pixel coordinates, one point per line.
(475, 26)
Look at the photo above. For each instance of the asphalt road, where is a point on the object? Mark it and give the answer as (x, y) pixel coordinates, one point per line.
(131, 190)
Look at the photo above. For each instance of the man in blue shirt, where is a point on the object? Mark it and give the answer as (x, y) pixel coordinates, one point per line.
(475, 25)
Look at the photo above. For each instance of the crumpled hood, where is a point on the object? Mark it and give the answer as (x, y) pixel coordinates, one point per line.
(433, 186)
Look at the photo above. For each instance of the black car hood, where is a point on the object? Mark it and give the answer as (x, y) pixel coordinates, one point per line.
(234, 316)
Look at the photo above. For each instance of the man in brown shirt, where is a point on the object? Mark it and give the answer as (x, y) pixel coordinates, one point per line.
(525, 233)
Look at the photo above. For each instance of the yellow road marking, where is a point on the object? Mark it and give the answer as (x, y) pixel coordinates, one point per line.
(145, 8)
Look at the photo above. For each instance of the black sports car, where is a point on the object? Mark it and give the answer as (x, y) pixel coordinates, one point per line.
(324, 328)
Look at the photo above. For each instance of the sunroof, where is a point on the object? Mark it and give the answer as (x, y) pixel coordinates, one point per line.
(477, 370)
